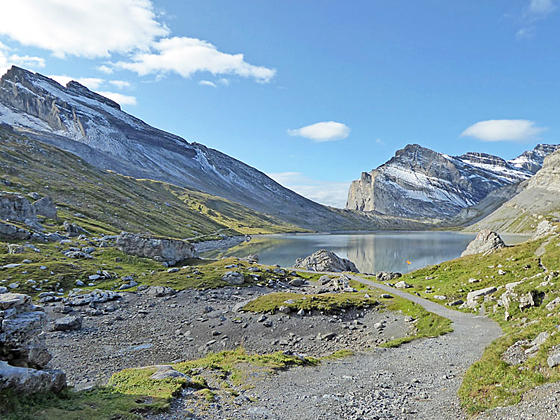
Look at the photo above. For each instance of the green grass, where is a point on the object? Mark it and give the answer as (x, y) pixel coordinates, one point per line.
(131, 393)
(491, 382)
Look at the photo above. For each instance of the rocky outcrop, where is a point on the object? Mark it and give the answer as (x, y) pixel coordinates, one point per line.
(17, 208)
(324, 260)
(169, 251)
(421, 183)
(23, 354)
(485, 243)
(545, 228)
(45, 207)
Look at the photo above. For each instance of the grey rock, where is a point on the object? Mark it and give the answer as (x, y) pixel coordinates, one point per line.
(553, 359)
(30, 381)
(235, 278)
(485, 243)
(472, 297)
(387, 276)
(166, 371)
(45, 207)
(402, 285)
(324, 260)
(68, 323)
(166, 250)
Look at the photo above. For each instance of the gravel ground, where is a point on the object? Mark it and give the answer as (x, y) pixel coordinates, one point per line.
(142, 330)
(419, 380)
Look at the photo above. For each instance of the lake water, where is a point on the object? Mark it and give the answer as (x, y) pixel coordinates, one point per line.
(371, 252)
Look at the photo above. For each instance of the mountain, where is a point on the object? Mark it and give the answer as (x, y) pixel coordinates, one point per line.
(103, 201)
(93, 127)
(419, 182)
(538, 199)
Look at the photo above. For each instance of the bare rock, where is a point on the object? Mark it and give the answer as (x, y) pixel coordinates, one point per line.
(68, 323)
(45, 207)
(485, 243)
(166, 250)
(324, 260)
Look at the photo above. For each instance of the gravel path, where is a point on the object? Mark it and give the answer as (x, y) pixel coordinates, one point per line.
(419, 380)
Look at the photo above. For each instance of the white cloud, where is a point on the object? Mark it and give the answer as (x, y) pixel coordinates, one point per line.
(223, 81)
(186, 56)
(119, 98)
(541, 7)
(27, 61)
(105, 69)
(329, 193)
(207, 83)
(82, 28)
(322, 131)
(503, 130)
(91, 83)
(120, 84)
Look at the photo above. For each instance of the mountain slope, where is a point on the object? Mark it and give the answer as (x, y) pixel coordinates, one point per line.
(539, 199)
(96, 129)
(419, 182)
(104, 201)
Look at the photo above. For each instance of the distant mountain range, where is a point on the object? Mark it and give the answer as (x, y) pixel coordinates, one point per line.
(421, 183)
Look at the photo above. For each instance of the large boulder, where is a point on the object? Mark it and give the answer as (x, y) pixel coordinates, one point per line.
(45, 207)
(544, 228)
(23, 353)
(17, 208)
(324, 260)
(170, 251)
(485, 243)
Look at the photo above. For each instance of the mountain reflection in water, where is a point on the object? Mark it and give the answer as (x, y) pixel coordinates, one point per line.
(371, 252)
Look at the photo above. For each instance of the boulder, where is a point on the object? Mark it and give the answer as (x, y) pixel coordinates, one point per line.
(554, 357)
(10, 232)
(15, 249)
(402, 285)
(166, 250)
(72, 229)
(472, 297)
(324, 260)
(387, 276)
(235, 278)
(17, 208)
(45, 207)
(68, 323)
(28, 381)
(166, 371)
(485, 243)
(531, 299)
(23, 353)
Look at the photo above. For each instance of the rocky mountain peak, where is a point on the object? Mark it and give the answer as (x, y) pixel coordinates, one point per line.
(421, 183)
(532, 160)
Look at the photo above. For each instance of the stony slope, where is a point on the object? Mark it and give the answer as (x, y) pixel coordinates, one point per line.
(110, 202)
(538, 200)
(95, 128)
(419, 182)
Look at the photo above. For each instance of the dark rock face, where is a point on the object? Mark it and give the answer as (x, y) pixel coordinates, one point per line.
(324, 260)
(420, 183)
(485, 242)
(170, 251)
(45, 207)
(95, 128)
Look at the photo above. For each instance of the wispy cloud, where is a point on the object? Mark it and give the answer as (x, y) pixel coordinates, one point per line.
(105, 69)
(329, 193)
(120, 84)
(91, 83)
(535, 11)
(322, 131)
(503, 130)
(207, 83)
(119, 97)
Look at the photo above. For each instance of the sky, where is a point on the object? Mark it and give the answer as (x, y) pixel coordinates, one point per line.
(310, 92)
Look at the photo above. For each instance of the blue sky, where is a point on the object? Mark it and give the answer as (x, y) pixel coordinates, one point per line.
(311, 92)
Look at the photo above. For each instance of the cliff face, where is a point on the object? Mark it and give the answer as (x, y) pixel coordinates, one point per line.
(538, 200)
(421, 183)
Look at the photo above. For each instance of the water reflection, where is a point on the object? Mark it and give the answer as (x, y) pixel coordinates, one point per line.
(371, 252)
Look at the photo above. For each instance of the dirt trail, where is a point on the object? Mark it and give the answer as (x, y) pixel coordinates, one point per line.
(419, 380)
